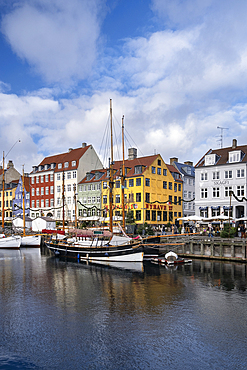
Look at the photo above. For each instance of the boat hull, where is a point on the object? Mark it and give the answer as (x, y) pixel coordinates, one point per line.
(31, 241)
(163, 261)
(122, 253)
(10, 242)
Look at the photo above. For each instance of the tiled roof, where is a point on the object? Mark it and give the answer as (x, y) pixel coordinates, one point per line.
(180, 167)
(222, 154)
(72, 155)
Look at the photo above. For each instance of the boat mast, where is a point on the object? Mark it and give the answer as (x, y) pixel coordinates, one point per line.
(123, 176)
(23, 203)
(111, 173)
(3, 196)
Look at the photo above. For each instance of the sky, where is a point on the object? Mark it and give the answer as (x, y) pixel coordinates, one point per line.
(176, 70)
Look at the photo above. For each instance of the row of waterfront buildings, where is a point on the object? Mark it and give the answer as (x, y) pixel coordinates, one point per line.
(75, 185)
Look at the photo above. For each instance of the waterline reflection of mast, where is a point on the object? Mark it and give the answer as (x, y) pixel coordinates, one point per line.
(123, 178)
(111, 174)
(23, 203)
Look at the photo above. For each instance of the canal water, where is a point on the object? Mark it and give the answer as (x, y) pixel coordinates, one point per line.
(58, 314)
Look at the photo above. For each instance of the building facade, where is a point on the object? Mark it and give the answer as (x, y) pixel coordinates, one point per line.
(219, 173)
(18, 199)
(187, 172)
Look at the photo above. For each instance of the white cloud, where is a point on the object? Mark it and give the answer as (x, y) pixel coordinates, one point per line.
(57, 37)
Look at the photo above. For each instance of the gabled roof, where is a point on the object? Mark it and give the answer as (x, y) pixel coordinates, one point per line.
(71, 155)
(173, 169)
(222, 155)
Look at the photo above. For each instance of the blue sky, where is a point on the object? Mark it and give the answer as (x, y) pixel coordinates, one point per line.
(176, 69)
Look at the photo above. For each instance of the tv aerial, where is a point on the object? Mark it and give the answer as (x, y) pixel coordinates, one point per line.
(221, 135)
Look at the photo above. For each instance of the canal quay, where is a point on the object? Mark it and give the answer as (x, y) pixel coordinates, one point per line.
(58, 314)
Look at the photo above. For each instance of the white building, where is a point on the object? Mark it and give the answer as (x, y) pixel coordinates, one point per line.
(42, 223)
(217, 174)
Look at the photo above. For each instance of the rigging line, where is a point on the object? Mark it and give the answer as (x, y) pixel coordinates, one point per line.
(133, 142)
(104, 139)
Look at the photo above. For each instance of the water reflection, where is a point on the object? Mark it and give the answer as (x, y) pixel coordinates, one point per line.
(58, 314)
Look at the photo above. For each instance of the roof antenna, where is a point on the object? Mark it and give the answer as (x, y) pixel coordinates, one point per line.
(221, 135)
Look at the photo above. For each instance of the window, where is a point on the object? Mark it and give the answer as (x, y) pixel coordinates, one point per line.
(240, 190)
(42, 203)
(159, 162)
(33, 204)
(69, 187)
(170, 199)
(47, 202)
(204, 193)
(37, 203)
(37, 179)
(84, 200)
(164, 172)
(51, 177)
(93, 199)
(42, 191)
(42, 178)
(189, 194)
(46, 178)
(164, 215)
(73, 163)
(69, 175)
(52, 202)
(216, 175)
(59, 165)
(175, 200)
(58, 176)
(153, 170)
(138, 169)
(228, 189)
(89, 187)
(47, 190)
(147, 197)
(228, 174)
(98, 186)
(153, 215)
(185, 194)
(52, 189)
(204, 176)
(138, 181)
(147, 181)
(74, 174)
(93, 186)
(104, 199)
(179, 187)
(37, 191)
(66, 164)
(138, 215)
(234, 156)
(175, 187)
(170, 185)
(159, 171)
(89, 199)
(138, 197)
(179, 201)
(164, 184)
(131, 183)
(216, 192)
(117, 184)
(104, 185)
(117, 198)
(58, 188)
(240, 173)
(98, 199)
(32, 180)
(210, 159)
(131, 197)
(170, 216)
(33, 190)
(147, 215)
(68, 200)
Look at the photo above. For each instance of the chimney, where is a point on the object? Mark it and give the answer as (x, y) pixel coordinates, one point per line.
(84, 145)
(132, 153)
(234, 144)
(70, 149)
(189, 163)
(173, 159)
(10, 164)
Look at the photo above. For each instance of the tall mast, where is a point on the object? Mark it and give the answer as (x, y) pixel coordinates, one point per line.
(123, 176)
(3, 196)
(23, 203)
(111, 173)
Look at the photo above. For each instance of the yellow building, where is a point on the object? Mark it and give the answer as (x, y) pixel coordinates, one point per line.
(153, 189)
(9, 196)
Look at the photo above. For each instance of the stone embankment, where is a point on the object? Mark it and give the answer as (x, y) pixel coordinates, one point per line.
(198, 246)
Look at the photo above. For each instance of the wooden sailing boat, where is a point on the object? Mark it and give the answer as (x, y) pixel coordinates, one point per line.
(9, 242)
(115, 250)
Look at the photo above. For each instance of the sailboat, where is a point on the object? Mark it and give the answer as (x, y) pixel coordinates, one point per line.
(9, 242)
(118, 249)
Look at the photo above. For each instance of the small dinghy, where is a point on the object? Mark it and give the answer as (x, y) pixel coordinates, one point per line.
(170, 259)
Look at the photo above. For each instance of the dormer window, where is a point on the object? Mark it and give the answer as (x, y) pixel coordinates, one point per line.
(235, 156)
(73, 163)
(59, 165)
(138, 169)
(46, 166)
(53, 165)
(66, 164)
(210, 160)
